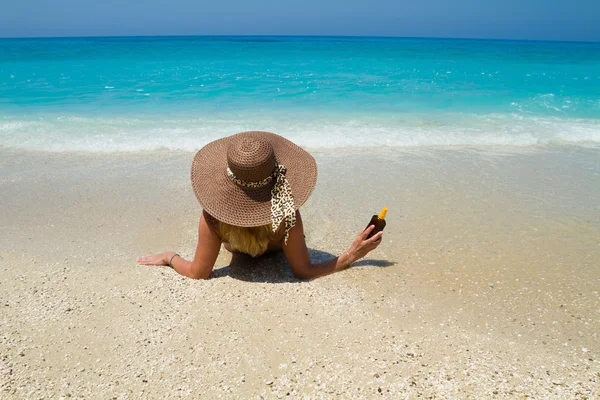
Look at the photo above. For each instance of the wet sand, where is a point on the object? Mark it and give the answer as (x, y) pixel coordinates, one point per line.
(486, 286)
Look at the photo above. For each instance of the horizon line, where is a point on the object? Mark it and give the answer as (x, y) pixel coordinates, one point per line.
(297, 36)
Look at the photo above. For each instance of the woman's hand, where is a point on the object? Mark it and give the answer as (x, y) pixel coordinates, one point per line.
(362, 246)
(157, 259)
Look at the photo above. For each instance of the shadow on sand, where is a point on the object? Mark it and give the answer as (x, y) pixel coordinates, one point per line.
(273, 267)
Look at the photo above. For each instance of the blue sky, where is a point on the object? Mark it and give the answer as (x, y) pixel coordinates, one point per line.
(502, 19)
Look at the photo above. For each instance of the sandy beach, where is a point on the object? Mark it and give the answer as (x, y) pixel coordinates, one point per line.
(487, 284)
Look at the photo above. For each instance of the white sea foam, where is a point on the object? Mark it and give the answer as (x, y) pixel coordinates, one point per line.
(127, 134)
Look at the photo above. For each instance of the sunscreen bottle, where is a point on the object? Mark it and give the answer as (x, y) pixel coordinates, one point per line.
(378, 221)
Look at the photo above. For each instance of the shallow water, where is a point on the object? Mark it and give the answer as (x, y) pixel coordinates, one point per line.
(132, 94)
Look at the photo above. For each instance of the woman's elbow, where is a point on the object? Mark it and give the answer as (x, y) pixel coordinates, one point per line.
(200, 275)
(304, 273)
(300, 275)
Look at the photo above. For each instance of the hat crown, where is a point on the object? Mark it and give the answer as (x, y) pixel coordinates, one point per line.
(251, 158)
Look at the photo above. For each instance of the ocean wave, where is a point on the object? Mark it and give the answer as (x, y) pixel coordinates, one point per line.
(129, 134)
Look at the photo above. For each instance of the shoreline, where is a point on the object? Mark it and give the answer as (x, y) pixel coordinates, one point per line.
(486, 284)
(334, 132)
(326, 151)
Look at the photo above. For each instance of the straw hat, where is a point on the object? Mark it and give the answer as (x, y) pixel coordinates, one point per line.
(253, 178)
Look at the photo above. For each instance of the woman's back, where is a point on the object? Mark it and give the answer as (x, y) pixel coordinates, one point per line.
(254, 240)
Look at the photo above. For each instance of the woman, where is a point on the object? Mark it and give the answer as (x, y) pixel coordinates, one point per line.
(250, 186)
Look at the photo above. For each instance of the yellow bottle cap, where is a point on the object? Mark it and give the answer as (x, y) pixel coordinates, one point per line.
(382, 213)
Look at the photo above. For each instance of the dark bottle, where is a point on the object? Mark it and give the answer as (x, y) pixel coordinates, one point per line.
(378, 221)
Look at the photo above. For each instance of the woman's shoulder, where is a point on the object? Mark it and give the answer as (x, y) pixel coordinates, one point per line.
(211, 221)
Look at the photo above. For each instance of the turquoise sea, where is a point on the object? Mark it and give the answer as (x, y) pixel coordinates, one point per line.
(146, 93)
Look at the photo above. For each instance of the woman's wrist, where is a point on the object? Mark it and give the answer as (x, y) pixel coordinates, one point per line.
(169, 257)
(347, 259)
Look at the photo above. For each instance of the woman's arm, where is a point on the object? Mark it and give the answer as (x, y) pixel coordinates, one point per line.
(297, 255)
(207, 251)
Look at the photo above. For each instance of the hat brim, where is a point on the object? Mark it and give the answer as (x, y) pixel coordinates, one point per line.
(234, 205)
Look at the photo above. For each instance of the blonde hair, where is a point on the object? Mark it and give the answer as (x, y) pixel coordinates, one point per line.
(252, 240)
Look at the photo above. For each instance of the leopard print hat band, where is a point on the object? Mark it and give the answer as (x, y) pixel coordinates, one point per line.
(282, 200)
